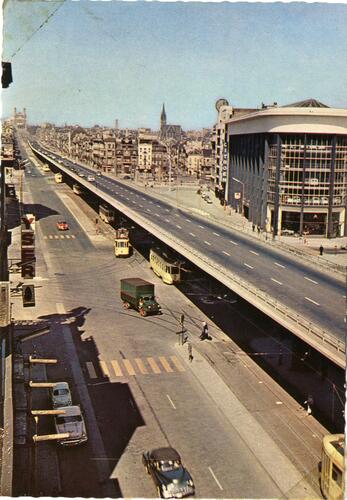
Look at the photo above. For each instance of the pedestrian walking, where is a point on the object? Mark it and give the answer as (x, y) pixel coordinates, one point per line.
(253, 227)
(321, 250)
(190, 352)
(204, 332)
(309, 403)
(258, 229)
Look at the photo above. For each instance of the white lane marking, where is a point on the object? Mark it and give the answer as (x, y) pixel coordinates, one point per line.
(157, 204)
(255, 253)
(143, 198)
(134, 202)
(157, 215)
(151, 202)
(141, 206)
(207, 243)
(226, 253)
(173, 406)
(177, 215)
(251, 267)
(280, 265)
(344, 296)
(214, 477)
(216, 234)
(309, 279)
(179, 227)
(279, 283)
(202, 227)
(192, 234)
(137, 196)
(167, 209)
(233, 242)
(167, 220)
(313, 302)
(147, 209)
(188, 220)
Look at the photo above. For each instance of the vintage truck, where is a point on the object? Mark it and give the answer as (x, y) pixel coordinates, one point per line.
(139, 294)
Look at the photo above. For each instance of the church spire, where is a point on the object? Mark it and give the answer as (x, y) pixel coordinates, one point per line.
(163, 116)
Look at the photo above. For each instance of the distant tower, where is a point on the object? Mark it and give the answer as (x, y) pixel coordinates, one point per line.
(116, 124)
(162, 122)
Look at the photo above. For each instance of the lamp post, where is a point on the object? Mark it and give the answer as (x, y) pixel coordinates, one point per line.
(168, 145)
(242, 191)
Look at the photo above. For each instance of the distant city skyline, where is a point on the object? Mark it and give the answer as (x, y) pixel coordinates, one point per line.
(91, 63)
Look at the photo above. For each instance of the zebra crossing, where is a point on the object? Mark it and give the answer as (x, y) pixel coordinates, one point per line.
(133, 367)
(59, 237)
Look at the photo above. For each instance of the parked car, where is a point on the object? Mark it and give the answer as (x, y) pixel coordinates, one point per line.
(81, 174)
(170, 477)
(71, 421)
(62, 225)
(60, 395)
(91, 178)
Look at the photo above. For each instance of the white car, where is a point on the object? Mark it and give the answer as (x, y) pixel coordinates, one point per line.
(91, 178)
(71, 421)
(60, 395)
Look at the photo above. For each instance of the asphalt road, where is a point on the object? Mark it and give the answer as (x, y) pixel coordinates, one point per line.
(318, 297)
(123, 369)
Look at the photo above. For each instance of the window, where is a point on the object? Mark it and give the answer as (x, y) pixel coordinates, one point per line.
(336, 475)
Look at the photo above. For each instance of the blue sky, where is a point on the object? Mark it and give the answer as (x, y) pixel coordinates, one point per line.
(95, 61)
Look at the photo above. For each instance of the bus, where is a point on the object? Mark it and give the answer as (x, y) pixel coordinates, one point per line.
(76, 188)
(332, 472)
(58, 177)
(45, 168)
(106, 213)
(122, 245)
(164, 266)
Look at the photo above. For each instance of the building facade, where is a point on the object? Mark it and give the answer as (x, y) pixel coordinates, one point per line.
(287, 168)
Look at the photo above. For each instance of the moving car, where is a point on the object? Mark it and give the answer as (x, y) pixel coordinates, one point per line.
(81, 174)
(62, 225)
(99, 174)
(71, 421)
(60, 395)
(91, 178)
(170, 477)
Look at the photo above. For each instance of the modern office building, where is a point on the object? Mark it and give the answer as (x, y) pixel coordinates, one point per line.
(287, 168)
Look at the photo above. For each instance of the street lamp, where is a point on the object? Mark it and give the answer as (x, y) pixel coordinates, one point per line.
(168, 145)
(242, 191)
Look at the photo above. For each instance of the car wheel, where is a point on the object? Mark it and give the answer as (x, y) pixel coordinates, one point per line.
(126, 305)
(143, 312)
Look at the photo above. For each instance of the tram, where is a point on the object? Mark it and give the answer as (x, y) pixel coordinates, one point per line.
(77, 189)
(164, 266)
(122, 246)
(332, 472)
(106, 213)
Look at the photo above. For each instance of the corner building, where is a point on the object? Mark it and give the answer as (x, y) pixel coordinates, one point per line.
(288, 169)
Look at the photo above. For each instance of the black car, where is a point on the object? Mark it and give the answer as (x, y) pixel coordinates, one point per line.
(170, 477)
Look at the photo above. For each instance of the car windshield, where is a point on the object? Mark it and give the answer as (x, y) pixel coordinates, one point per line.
(168, 465)
(63, 419)
(60, 392)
